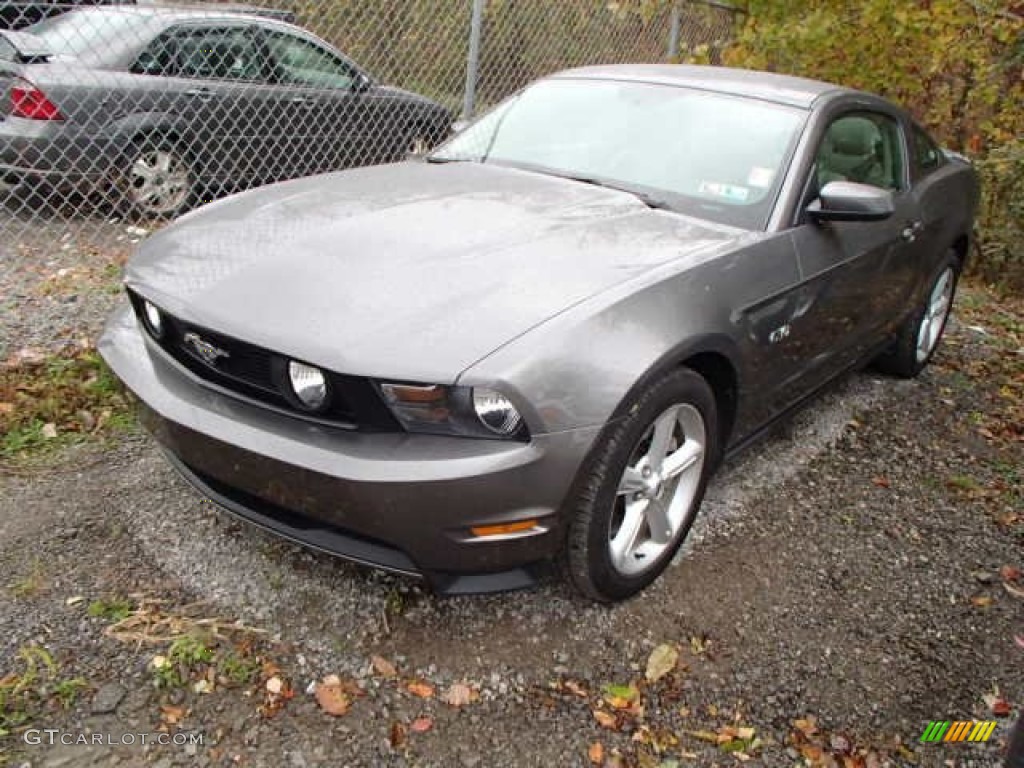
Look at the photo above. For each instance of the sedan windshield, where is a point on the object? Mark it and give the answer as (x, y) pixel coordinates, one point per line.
(711, 155)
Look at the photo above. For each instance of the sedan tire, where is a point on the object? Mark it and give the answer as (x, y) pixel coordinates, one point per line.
(919, 335)
(158, 180)
(639, 492)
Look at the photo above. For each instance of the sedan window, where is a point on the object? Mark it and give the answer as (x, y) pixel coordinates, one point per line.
(300, 62)
(218, 54)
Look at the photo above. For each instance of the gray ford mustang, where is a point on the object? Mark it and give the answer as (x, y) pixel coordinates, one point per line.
(538, 343)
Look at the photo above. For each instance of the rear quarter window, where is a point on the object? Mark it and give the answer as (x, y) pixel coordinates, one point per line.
(927, 155)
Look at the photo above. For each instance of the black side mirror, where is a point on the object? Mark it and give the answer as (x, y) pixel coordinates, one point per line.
(850, 201)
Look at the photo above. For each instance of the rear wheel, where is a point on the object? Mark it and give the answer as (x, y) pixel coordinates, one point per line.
(919, 336)
(640, 492)
(158, 180)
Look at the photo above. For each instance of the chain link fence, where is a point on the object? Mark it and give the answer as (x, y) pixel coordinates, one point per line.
(140, 111)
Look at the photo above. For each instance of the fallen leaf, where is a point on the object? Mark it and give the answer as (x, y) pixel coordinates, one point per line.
(699, 644)
(6, 408)
(73, 601)
(709, 736)
(172, 715)
(1010, 573)
(331, 696)
(396, 735)
(383, 667)
(202, 686)
(746, 734)
(596, 753)
(49, 431)
(880, 481)
(576, 689)
(275, 685)
(1019, 640)
(459, 695)
(662, 661)
(421, 725)
(605, 719)
(421, 689)
(981, 601)
(808, 726)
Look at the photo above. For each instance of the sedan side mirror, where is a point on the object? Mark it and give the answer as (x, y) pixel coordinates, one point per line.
(850, 201)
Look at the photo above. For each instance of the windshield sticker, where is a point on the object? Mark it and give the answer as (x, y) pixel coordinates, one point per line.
(730, 192)
(760, 177)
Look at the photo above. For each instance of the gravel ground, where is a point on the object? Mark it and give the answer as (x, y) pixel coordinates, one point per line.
(847, 570)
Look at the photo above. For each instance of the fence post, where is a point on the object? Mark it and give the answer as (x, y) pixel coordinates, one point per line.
(473, 59)
(673, 33)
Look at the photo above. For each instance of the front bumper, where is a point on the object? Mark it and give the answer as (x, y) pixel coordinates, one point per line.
(396, 501)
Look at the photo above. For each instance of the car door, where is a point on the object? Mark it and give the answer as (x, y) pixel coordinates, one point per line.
(856, 274)
(316, 99)
(216, 87)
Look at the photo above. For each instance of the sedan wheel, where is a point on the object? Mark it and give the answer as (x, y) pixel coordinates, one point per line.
(638, 493)
(159, 182)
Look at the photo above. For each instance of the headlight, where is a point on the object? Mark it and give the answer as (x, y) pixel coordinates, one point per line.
(442, 410)
(154, 319)
(309, 385)
(496, 412)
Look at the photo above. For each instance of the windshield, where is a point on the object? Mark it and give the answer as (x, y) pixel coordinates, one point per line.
(95, 36)
(707, 154)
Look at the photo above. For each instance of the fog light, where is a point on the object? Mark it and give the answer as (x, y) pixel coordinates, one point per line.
(308, 384)
(154, 319)
(496, 412)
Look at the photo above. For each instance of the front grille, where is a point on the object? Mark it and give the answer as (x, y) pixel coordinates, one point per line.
(260, 375)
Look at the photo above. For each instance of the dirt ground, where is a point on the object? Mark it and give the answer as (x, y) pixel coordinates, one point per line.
(854, 577)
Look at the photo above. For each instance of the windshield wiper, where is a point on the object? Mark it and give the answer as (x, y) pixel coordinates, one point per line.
(651, 201)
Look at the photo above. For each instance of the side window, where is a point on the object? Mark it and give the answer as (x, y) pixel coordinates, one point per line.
(300, 62)
(158, 58)
(218, 54)
(927, 156)
(864, 147)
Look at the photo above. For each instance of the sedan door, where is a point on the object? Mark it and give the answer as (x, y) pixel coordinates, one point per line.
(214, 79)
(315, 104)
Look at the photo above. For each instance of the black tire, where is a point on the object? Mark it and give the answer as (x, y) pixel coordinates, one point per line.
(902, 359)
(172, 189)
(596, 502)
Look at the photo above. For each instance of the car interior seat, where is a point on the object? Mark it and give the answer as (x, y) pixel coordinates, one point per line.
(853, 151)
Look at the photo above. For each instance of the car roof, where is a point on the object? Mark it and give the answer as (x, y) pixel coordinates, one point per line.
(767, 86)
(183, 12)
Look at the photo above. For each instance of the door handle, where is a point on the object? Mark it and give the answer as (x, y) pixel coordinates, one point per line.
(911, 230)
(302, 101)
(203, 94)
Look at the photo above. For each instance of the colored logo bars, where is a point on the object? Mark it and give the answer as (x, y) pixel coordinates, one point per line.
(961, 730)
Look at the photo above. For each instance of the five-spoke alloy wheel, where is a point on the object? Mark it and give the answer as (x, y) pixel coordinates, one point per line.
(640, 489)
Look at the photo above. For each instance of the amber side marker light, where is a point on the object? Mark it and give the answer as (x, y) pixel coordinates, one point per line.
(504, 528)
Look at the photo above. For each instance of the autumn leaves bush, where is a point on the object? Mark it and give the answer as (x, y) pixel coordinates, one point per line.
(957, 66)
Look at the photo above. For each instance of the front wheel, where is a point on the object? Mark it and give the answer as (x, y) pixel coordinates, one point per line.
(641, 488)
(918, 337)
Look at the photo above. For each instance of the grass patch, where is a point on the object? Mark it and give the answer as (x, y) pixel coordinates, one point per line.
(113, 610)
(31, 584)
(34, 685)
(49, 402)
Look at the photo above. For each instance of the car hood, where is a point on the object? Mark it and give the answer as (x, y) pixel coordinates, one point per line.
(413, 270)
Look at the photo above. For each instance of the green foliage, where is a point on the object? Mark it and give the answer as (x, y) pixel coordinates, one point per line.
(52, 401)
(115, 609)
(31, 685)
(956, 65)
